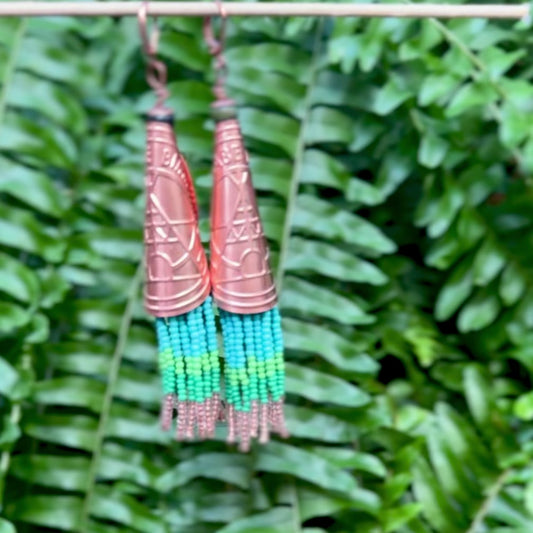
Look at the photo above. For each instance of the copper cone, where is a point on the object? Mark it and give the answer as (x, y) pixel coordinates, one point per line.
(177, 276)
(240, 271)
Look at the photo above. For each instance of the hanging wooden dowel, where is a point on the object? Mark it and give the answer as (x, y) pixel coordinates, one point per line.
(273, 9)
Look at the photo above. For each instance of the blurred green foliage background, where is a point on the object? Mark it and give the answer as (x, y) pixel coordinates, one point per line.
(393, 160)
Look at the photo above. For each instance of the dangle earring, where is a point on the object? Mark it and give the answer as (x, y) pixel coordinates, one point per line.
(243, 285)
(177, 290)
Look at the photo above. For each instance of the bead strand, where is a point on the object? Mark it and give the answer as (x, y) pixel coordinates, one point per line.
(261, 370)
(178, 366)
(243, 377)
(165, 357)
(186, 346)
(212, 344)
(277, 334)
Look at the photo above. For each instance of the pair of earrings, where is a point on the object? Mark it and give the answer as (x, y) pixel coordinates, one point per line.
(181, 284)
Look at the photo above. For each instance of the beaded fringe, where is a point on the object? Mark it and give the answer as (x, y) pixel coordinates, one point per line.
(190, 372)
(254, 376)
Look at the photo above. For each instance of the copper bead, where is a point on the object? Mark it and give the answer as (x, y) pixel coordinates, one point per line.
(240, 271)
(177, 275)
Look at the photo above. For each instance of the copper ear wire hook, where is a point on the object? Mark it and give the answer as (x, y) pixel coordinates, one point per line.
(156, 71)
(215, 46)
(216, 49)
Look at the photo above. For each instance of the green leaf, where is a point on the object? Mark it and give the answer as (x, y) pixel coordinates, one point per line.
(119, 463)
(12, 317)
(225, 507)
(284, 459)
(8, 377)
(33, 188)
(117, 243)
(309, 424)
(446, 210)
(479, 313)
(470, 96)
(324, 220)
(277, 130)
(321, 169)
(321, 387)
(345, 458)
(233, 469)
(314, 502)
(54, 288)
(187, 97)
(270, 174)
(272, 56)
(465, 442)
(455, 291)
(39, 329)
(80, 358)
(478, 182)
(17, 280)
(514, 126)
(367, 130)
(38, 143)
(65, 473)
(363, 192)
(9, 435)
(6, 527)
(97, 315)
(113, 505)
(512, 285)
(400, 516)
(72, 392)
(184, 49)
(133, 384)
(308, 298)
(73, 431)
(332, 262)
(435, 505)
(478, 394)
(327, 125)
(394, 169)
(333, 348)
(276, 520)
(432, 151)
(488, 263)
(390, 96)
(56, 512)
(277, 89)
(54, 102)
(498, 61)
(461, 237)
(53, 62)
(19, 229)
(436, 87)
(523, 406)
(133, 424)
(451, 473)
(528, 497)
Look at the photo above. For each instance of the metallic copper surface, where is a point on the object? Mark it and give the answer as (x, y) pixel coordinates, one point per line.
(240, 271)
(177, 276)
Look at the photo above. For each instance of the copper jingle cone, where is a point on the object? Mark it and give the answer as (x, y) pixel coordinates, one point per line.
(240, 270)
(177, 274)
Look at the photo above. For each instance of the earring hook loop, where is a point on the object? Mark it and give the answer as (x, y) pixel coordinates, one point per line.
(216, 49)
(156, 71)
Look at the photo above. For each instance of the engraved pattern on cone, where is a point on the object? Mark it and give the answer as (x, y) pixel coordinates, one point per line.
(240, 270)
(177, 275)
